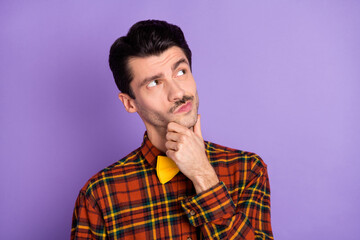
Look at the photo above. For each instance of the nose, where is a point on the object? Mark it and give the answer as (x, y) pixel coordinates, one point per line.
(176, 92)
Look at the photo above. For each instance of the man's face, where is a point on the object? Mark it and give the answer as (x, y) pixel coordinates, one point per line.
(164, 89)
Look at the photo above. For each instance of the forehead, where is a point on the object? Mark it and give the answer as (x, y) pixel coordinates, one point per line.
(143, 67)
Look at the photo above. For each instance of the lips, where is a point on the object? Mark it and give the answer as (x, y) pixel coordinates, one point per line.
(186, 107)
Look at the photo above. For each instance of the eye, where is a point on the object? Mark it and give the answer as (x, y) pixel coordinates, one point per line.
(153, 83)
(180, 73)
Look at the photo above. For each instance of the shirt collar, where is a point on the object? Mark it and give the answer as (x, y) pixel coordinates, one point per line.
(149, 151)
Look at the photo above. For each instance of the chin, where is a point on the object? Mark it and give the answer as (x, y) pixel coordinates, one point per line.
(188, 122)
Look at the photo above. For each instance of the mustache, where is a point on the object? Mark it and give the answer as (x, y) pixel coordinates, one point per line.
(180, 102)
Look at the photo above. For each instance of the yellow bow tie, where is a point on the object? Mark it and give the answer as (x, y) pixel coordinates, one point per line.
(166, 169)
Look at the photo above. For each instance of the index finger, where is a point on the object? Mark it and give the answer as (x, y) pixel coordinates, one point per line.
(197, 127)
(175, 127)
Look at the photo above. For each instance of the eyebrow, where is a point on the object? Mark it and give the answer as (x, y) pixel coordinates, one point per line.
(182, 60)
(149, 79)
(160, 75)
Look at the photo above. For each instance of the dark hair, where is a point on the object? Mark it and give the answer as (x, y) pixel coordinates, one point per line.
(145, 38)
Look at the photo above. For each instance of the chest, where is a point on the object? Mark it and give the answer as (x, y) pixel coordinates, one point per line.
(143, 208)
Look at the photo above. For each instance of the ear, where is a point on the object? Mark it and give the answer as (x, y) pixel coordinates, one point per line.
(128, 102)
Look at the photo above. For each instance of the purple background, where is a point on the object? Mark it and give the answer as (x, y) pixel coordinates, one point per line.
(279, 78)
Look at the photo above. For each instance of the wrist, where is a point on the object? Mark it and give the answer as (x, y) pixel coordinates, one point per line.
(205, 182)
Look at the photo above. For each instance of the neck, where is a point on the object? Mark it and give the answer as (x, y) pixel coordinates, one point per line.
(157, 137)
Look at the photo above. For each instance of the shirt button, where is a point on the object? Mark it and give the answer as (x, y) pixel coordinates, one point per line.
(189, 238)
(192, 213)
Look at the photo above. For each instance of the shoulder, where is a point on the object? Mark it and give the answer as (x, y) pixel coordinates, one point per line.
(230, 156)
(115, 170)
(235, 167)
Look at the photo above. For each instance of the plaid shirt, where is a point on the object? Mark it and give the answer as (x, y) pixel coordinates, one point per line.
(127, 201)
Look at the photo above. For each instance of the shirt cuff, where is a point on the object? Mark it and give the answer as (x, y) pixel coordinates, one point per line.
(214, 205)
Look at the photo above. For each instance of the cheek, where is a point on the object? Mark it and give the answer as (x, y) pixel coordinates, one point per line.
(190, 85)
(152, 104)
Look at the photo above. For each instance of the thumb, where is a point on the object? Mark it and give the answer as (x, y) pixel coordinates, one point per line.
(197, 127)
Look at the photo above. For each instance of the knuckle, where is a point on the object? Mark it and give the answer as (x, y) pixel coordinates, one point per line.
(179, 146)
(182, 138)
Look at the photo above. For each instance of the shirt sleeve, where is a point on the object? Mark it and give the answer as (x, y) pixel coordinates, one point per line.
(221, 218)
(87, 222)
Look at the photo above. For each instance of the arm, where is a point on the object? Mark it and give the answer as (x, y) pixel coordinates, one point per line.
(213, 209)
(87, 222)
(221, 218)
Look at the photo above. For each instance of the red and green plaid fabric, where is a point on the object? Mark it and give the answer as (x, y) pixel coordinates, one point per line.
(127, 201)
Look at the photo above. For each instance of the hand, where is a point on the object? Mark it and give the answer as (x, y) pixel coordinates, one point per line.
(186, 148)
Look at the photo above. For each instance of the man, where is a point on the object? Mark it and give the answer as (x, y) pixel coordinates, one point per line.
(218, 193)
